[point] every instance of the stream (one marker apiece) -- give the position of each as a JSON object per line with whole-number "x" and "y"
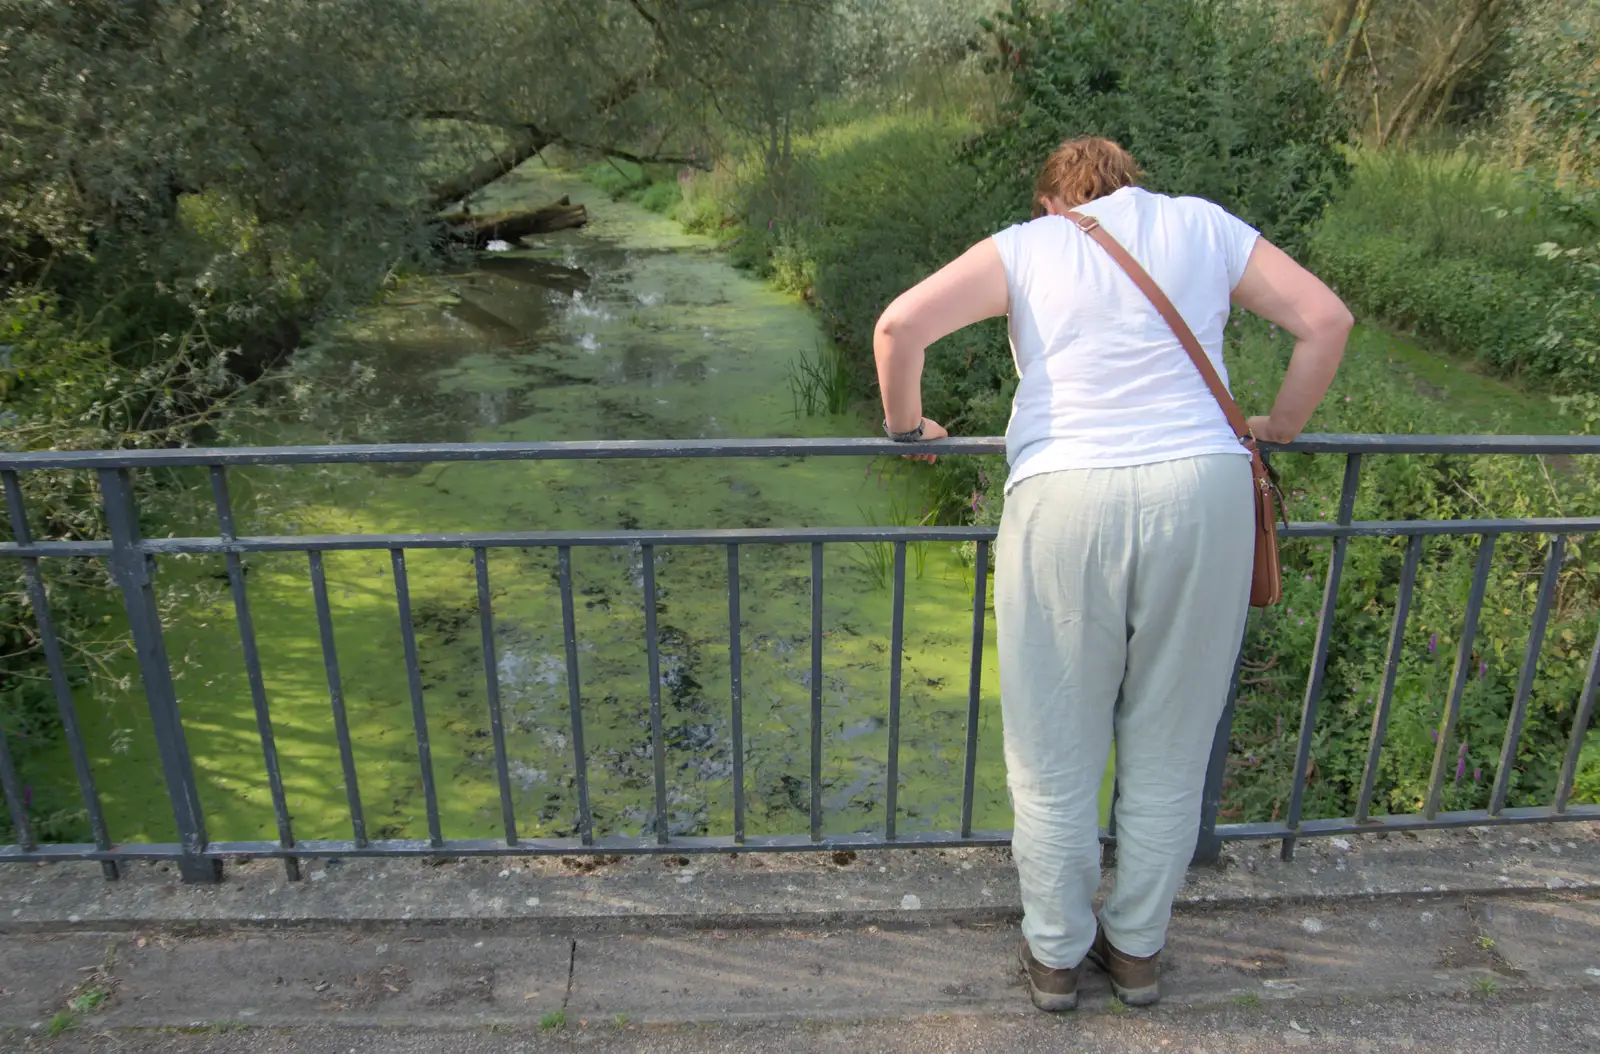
{"x": 626, "y": 329}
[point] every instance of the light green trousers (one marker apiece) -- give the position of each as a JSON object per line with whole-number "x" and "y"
{"x": 1120, "y": 600}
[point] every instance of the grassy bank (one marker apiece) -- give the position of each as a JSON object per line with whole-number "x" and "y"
{"x": 1472, "y": 259}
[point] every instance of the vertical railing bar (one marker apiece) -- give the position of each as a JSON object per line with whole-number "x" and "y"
{"x": 569, "y": 635}
{"x": 1391, "y": 667}
{"x": 1580, "y": 727}
{"x": 1108, "y": 850}
{"x": 252, "y": 666}
{"x": 658, "y": 739}
{"x": 969, "y": 774}
{"x": 491, "y": 677}
{"x": 419, "y": 715}
{"x": 1208, "y": 847}
{"x": 341, "y": 722}
{"x": 134, "y": 571}
{"x": 736, "y": 688}
{"x": 16, "y": 801}
{"x": 896, "y": 647}
{"x": 816, "y": 691}
{"x": 1458, "y": 685}
{"x": 1319, "y": 658}
{"x": 1530, "y": 667}
{"x": 65, "y": 706}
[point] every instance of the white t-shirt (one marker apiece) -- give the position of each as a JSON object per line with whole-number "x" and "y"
{"x": 1104, "y": 381}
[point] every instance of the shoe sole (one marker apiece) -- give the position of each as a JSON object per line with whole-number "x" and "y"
{"x": 1052, "y": 1004}
{"x": 1146, "y": 996}
{"x": 1049, "y": 1002}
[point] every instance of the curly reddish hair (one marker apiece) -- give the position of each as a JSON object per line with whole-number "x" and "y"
{"x": 1080, "y": 170}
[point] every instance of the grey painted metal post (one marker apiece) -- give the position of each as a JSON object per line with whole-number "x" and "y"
{"x": 132, "y": 570}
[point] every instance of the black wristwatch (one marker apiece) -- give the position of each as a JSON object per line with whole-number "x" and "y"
{"x": 913, "y": 436}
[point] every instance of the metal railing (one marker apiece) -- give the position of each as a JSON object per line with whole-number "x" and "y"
{"x": 132, "y": 560}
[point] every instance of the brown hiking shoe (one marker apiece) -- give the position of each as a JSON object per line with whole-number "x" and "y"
{"x": 1132, "y": 978}
{"x": 1051, "y": 989}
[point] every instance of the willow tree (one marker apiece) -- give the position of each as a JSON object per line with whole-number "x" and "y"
{"x": 252, "y": 161}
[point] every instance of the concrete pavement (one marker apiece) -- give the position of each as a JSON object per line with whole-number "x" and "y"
{"x": 1348, "y": 948}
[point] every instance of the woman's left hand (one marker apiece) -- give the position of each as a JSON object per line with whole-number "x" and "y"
{"x": 931, "y": 429}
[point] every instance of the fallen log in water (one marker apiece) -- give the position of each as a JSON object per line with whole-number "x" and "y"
{"x": 482, "y": 228}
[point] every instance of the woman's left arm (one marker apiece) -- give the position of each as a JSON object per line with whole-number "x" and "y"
{"x": 969, "y": 289}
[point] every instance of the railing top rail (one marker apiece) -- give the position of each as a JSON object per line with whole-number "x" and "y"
{"x": 613, "y": 449}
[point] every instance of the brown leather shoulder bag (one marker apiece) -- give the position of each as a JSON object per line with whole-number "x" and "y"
{"x": 1266, "y": 584}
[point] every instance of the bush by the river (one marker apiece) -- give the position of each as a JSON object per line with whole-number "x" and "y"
{"x": 1215, "y": 98}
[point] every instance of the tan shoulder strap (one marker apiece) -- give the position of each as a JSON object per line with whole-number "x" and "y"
{"x": 1147, "y": 285}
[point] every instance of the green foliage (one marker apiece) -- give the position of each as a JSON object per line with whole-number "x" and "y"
{"x": 88, "y": 1000}
{"x": 909, "y": 52}
{"x": 1586, "y": 786}
{"x": 1370, "y": 397}
{"x": 1215, "y": 98}
{"x": 553, "y": 1020}
{"x": 1552, "y": 88}
{"x": 655, "y": 187}
{"x": 869, "y": 208}
{"x": 1472, "y": 259}
{"x": 64, "y": 388}
{"x": 202, "y": 156}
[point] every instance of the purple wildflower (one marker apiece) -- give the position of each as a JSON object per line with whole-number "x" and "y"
{"x": 1461, "y": 763}
{"x": 1483, "y": 668}
{"x": 1433, "y": 644}
{"x": 27, "y": 795}
{"x": 1434, "y": 732}
{"x": 1477, "y": 775}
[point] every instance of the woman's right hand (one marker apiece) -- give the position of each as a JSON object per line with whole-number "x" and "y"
{"x": 931, "y": 429}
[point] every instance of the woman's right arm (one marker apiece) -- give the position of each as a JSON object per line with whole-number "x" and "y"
{"x": 1281, "y": 291}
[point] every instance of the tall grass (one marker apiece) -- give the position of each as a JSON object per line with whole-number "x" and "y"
{"x": 908, "y": 507}
{"x": 1470, "y": 257}
{"x": 1445, "y": 204}
{"x": 821, "y": 384}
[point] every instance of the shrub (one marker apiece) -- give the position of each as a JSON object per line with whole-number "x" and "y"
{"x": 1215, "y": 98}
